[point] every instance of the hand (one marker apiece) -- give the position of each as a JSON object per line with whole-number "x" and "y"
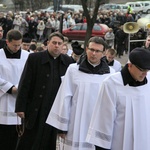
{"x": 21, "y": 114}
{"x": 14, "y": 90}
{"x": 62, "y": 135}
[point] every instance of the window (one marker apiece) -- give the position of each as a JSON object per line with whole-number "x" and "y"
{"x": 76, "y": 27}
{"x": 147, "y": 4}
{"x": 84, "y": 27}
{"x": 137, "y": 5}
{"x": 97, "y": 28}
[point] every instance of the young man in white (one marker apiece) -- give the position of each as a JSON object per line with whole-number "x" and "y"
{"x": 110, "y": 59}
{"x": 120, "y": 120}
{"x": 12, "y": 61}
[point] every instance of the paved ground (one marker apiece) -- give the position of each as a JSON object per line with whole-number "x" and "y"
{"x": 123, "y": 60}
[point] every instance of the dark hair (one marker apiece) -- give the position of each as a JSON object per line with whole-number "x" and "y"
{"x": 13, "y": 35}
{"x": 39, "y": 49}
{"x": 97, "y": 40}
{"x": 58, "y": 34}
{"x": 33, "y": 47}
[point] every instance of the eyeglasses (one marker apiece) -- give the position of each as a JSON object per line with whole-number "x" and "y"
{"x": 55, "y": 43}
{"x": 95, "y": 50}
{"x": 142, "y": 70}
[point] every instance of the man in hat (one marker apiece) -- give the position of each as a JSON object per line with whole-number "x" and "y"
{"x": 120, "y": 120}
{"x": 77, "y": 51}
{"x": 75, "y": 100}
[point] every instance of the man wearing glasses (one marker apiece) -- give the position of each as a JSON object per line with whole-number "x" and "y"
{"x": 38, "y": 86}
{"x": 74, "y": 103}
{"x": 12, "y": 61}
{"x": 120, "y": 120}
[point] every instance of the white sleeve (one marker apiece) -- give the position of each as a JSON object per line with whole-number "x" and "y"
{"x": 60, "y": 111}
{"x": 4, "y": 86}
{"x": 101, "y": 127}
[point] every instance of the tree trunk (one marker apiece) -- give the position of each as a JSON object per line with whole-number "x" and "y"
{"x": 90, "y": 19}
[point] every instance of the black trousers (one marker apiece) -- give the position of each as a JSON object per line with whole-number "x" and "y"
{"x": 32, "y": 139}
{"x": 8, "y": 137}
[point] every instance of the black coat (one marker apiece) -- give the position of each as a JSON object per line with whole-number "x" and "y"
{"x": 37, "y": 89}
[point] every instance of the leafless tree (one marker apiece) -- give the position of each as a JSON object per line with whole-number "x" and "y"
{"x": 90, "y": 19}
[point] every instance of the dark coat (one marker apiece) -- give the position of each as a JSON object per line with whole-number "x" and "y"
{"x": 37, "y": 89}
{"x": 33, "y": 83}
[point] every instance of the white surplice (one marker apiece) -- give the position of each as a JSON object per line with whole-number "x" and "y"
{"x": 116, "y": 65}
{"x": 121, "y": 118}
{"x": 10, "y": 72}
{"x": 73, "y": 106}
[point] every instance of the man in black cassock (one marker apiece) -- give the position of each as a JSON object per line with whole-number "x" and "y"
{"x": 38, "y": 86}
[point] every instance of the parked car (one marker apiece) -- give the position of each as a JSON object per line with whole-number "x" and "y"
{"x": 146, "y": 10}
{"x": 110, "y": 7}
{"x": 78, "y": 31}
{"x": 123, "y": 8}
{"x": 64, "y": 8}
{"x": 74, "y": 8}
{"x": 137, "y": 7}
{"x": 144, "y": 3}
{"x": 49, "y": 9}
{"x": 114, "y": 7}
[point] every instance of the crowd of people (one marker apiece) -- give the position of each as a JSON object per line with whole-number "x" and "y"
{"x": 38, "y": 25}
{"x": 83, "y": 96}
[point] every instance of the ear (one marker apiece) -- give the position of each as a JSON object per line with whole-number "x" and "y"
{"x": 129, "y": 65}
{"x": 86, "y": 49}
{"x": 7, "y": 41}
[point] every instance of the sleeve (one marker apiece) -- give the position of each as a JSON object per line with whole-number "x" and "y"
{"x": 24, "y": 86}
{"x": 10, "y": 90}
{"x": 4, "y": 86}
{"x": 60, "y": 111}
{"x": 101, "y": 127}
{"x": 100, "y": 148}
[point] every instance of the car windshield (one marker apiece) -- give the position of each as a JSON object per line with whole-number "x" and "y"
{"x": 97, "y": 27}
{"x": 77, "y": 27}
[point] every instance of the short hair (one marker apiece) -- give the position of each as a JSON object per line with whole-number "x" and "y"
{"x": 97, "y": 40}
{"x": 34, "y": 40}
{"x": 112, "y": 51}
{"x": 65, "y": 44}
{"x": 58, "y": 34}
{"x": 39, "y": 49}
{"x": 13, "y": 35}
{"x": 66, "y": 39}
{"x": 33, "y": 47}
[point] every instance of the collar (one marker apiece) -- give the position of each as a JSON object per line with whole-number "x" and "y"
{"x": 109, "y": 63}
{"x": 10, "y": 54}
{"x": 127, "y": 78}
{"x": 47, "y": 58}
{"x": 86, "y": 67}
